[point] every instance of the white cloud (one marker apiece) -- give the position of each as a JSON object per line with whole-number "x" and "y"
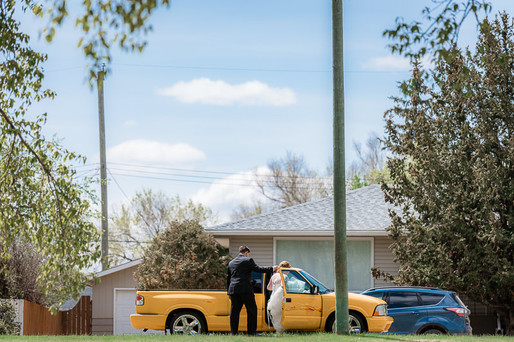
{"x": 130, "y": 123}
{"x": 154, "y": 152}
{"x": 220, "y": 93}
{"x": 393, "y": 63}
{"x": 388, "y": 63}
{"x": 225, "y": 195}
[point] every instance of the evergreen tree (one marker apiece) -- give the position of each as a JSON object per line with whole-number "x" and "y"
{"x": 452, "y": 166}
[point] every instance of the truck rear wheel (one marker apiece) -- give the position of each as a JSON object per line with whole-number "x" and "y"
{"x": 187, "y": 323}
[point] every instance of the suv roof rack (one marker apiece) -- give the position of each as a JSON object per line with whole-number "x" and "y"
{"x": 406, "y": 287}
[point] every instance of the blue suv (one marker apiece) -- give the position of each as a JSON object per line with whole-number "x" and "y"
{"x": 424, "y": 310}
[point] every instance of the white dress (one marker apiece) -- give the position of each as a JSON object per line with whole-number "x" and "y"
{"x": 275, "y": 302}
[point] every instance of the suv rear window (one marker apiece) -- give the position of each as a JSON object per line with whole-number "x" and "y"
{"x": 430, "y": 298}
{"x": 398, "y": 299}
{"x": 457, "y": 299}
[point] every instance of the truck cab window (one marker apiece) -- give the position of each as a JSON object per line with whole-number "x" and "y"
{"x": 295, "y": 283}
{"x": 257, "y": 282}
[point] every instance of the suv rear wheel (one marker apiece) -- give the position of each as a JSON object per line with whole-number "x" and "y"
{"x": 433, "y": 331}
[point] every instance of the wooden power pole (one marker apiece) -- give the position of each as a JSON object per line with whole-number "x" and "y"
{"x": 341, "y": 272}
{"x": 103, "y": 170}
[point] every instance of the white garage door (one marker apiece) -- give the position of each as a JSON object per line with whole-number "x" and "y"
{"x": 124, "y": 306}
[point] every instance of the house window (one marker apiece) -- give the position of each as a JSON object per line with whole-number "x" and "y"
{"x": 317, "y": 258}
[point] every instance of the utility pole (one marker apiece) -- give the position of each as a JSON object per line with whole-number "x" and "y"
{"x": 103, "y": 169}
{"x": 341, "y": 272}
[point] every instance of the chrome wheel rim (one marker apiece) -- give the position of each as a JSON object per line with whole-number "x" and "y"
{"x": 355, "y": 325}
{"x": 187, "y": 325}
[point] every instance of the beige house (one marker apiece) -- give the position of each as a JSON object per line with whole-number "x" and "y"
{"x": 302, "y": 234}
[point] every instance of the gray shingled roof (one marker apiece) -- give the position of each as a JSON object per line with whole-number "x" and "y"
{"x": 366, "y": 211}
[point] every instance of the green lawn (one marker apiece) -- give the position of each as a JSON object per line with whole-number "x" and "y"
{"x": 269, "y": 336}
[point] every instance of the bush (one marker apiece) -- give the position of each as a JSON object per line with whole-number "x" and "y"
{"x": 19, "y": 271}
{"x": 8, "y": 324}
{"x": 183, "y": 257}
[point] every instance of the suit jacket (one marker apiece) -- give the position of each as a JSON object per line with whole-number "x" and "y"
{"x": 239, "y": 274}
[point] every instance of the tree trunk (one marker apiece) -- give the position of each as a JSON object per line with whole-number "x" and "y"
{"x": 509, "y": 323}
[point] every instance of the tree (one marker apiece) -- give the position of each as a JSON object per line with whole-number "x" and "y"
{"x": 182, "y": 256}
{"x": 370, "y": 168}
{"x": 452, "y": 168}
{"x": 20, "y": 280}
{"x": 292, "y": 182}
{"x": 42, "y": 202}
{"x": 441, "y": 31}
{"x": 244, "y": 210}
{"x": 289, "y": 182}
{"x": 148, "y": 214}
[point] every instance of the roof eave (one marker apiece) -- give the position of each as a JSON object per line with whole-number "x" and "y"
{"x": 234, "y": 232}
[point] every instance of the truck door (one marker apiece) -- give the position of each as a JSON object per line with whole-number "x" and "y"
{"x": 301, "y": 308}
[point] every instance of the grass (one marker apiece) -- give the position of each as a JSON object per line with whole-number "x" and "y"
{"x": 301, "y": 337}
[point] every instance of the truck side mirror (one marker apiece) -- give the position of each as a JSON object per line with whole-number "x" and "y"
{"x": 315, "y": 289}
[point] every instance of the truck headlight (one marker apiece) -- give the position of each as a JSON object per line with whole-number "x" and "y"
{"x": 380, "y": 310}
{"x": 140, "y": 300}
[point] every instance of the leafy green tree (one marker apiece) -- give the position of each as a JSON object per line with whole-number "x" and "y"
{"x": 103, "y": 24}
{"x": 452, "y": 166}
{"x": 42, "y": 203}
{"x": 439, "y": 29}
{"x": 149, "y": 213}
{"x": 183, "y": 257}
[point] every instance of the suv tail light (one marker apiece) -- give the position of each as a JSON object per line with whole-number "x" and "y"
{"x": 140, "y": 300}
{"x": 458, "y": 311}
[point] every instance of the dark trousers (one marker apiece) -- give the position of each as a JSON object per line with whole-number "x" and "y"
{"x": 237, "y": 302}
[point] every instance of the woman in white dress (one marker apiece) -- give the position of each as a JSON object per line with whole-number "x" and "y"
{"x": 275, "y": 300}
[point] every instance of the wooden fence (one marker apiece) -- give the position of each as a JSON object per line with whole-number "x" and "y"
{"x": 77, "y": 321}
{"x": 37, "y": 320}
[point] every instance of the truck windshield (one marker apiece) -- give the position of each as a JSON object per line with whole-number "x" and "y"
{"x": 322, "y": 288}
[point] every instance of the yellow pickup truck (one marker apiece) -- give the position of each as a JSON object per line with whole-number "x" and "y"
{"x": 308, "y": 305}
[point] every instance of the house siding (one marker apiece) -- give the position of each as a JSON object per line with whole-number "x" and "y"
{"x": 261, "y": 248}
{"x": 384, "y": 259}
{"x": 103, "y": 299}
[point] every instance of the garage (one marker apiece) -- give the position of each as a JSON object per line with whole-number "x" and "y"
{"x": 123, "y": 307}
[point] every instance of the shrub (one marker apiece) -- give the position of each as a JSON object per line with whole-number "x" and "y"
{"x": 183, "y": 257}
{"x": 8, "y": 324}
{"x": 19, "y": 271}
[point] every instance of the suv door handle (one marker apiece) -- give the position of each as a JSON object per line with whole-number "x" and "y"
{"x": 288, "y": 300}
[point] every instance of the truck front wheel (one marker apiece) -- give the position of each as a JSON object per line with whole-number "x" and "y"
{"x": 355, "y": 323}
{"x": 187, "y": 323}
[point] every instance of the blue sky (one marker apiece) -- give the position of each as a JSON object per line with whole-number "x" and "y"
{"x": 224, "y": 86}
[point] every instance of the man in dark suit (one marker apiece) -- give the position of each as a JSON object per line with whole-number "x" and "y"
{"x": 240, "y": 289}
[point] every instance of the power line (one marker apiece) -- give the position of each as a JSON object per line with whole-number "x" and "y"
{"x": 164, "y": 66}
{"x": 251, "y": 176}
{"x": 174, "y": 169}
{"x": 161, "y": 66}
{"x": 301, "y": 186}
